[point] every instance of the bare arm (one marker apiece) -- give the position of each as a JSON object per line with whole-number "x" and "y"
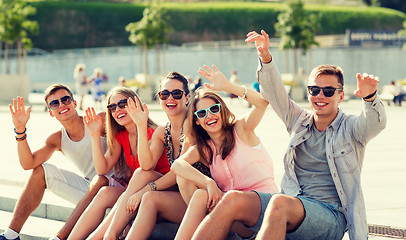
{"x": 148, "y": 151}
{"x": 183, "y": 167}
{"x": 29, "y": 160}
{"x": 103, "y": 163}
{"x": 251, "y": 120}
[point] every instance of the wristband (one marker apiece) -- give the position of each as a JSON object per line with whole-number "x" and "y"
{"x": 370, "y": 95}
{"x": 19, "y": 133}
{"x": 245, "y": 94}
{"x": 152, "y": 185}
{"x": 21, "y": 138}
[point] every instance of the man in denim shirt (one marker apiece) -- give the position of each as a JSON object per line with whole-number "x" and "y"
{"x": 321, "y": 189}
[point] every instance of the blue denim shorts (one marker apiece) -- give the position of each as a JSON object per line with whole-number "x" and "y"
{"x": 322, "y": 220}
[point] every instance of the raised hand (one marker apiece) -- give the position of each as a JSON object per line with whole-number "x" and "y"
{"x": 92, "y": 121}
{"x": 19, "y": 114}
{"x": 261, "y": 43}
{"x": 217, "y": 78}
{"x": 366, "y": 84}
{"x": 137, "y": 114}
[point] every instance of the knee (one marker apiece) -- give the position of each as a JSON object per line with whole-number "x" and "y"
{"x": 38, "y": 174}
{"x": 183, "y": 183}
{"x": 231, "y": 201}
{"x": 150, "y": 200}
{"x": 200, "y": 197}
{"x": 99, "y": 181}
{"x": 143, "y": 175}
{"x": 279, "y": 205}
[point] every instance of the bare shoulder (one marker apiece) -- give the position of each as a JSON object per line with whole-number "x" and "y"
{"x": 102, "y": 115}
{"x": 159, "y": 133}
{"x": 54, "y": 140}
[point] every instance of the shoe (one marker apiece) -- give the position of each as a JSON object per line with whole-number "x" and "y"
{"x": 2, "y": 237}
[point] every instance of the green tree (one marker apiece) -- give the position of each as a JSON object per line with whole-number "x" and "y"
{"x": 150, "y": 31}
{"x": 297, "y": 30}
{"x": 14, "y": 28}
{"x": 402, "y": 33}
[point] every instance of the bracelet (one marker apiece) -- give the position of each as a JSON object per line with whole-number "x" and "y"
{"x": 21, "y": 138}
{"x": 152, "y": 186}
{"x": 19, "y": 133}
{"x": 245, "y": 93}
{"x": 370, "y": 95}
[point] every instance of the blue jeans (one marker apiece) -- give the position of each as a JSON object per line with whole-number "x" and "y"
{"x": 322, "y": 220}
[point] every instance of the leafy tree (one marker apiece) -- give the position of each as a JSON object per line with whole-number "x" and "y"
{"x": 14, "y": 28}
{"x": 402, "y": 33}
{"x": 297, "y": 29}
{"x": 150, "y": 31}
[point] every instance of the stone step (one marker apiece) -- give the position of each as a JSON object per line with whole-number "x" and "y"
{"x": 52, "y": 207}
{"x": 35, "y": 228}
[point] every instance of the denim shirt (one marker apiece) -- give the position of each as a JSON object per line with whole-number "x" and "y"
{"x": 346, "y": 139}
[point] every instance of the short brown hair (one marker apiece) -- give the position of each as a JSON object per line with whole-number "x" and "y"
{"x": 55, "y": 87}
{"x": 328, "y": 70}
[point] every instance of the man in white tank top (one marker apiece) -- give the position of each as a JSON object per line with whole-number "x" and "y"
{"x": 74, "y": 142}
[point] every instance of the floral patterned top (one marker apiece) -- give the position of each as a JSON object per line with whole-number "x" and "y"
{"x": 169, "y": 151}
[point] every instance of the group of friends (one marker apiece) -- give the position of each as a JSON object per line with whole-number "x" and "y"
{"x": 206, "y": 169}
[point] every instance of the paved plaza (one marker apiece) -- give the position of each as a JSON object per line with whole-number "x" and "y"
{"x": 383, "y": 175}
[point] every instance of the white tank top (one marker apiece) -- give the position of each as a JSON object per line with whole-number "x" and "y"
{"x": 80, "y": 152}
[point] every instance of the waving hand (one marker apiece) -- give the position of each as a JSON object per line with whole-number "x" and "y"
{"x": 19, "y": 115}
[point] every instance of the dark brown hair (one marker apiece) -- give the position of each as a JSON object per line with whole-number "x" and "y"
{"x": 201, "y": 137}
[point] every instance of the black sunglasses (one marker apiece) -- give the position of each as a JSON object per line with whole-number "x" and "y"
{"x": 54, "y": 104}
{"x": 176, "y": 94}
{"x": 202, "y": 113}
{"x": 327, "y": 91}
{"x": 121, "y": 104}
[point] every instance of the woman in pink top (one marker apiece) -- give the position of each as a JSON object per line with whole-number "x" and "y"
{"x": 237, "y": 159}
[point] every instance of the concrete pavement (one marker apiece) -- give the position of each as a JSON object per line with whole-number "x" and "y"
{"x": 383, "y": 175}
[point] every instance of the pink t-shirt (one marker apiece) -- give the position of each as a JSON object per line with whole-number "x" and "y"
{"x": 244, "y": 169}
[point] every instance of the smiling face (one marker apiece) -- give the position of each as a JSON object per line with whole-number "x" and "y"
{"x": 62, "y": 112}
{"x": 173, "y": 106}
{"x": 322, "y": 106}
{"x": 212, "y": 122}
{"x": 120, "y": 114}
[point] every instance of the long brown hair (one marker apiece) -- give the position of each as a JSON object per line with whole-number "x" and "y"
{"x": 112, "y": 128}
{"x": 201, "y": 137}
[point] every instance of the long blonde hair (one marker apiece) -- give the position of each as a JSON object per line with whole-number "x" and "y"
{"x": 112, "y": 128}
{"x": 200, "y": 136}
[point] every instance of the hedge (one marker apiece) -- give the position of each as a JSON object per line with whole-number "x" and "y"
{"x": 98, "y": 24}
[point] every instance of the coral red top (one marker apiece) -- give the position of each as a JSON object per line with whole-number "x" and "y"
{"x": 162, "y": 165}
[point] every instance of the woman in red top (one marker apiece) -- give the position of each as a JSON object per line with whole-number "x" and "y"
{"x": 122, "y": 155}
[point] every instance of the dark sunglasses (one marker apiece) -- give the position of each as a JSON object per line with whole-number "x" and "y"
{"x": 121, "y": 104}
{"x": 54, "y": 104}
{"x": 202, "y": 113}
{"x": 327, "y": 91}
{"x": 176, "y": 94}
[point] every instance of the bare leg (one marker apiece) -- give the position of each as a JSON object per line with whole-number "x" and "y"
{"x": 95, "y": 185}
{"x": 239, "y": 206}
{"x": 168, "y": 205}
{"x": 30, "y": 198}
{"x": 121, "y": 217}
{"x": 94, "y": 213}
{"x": 283, "y": 214}
{"x": 186, "y": 188}
{"x": 195, "y": 213}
